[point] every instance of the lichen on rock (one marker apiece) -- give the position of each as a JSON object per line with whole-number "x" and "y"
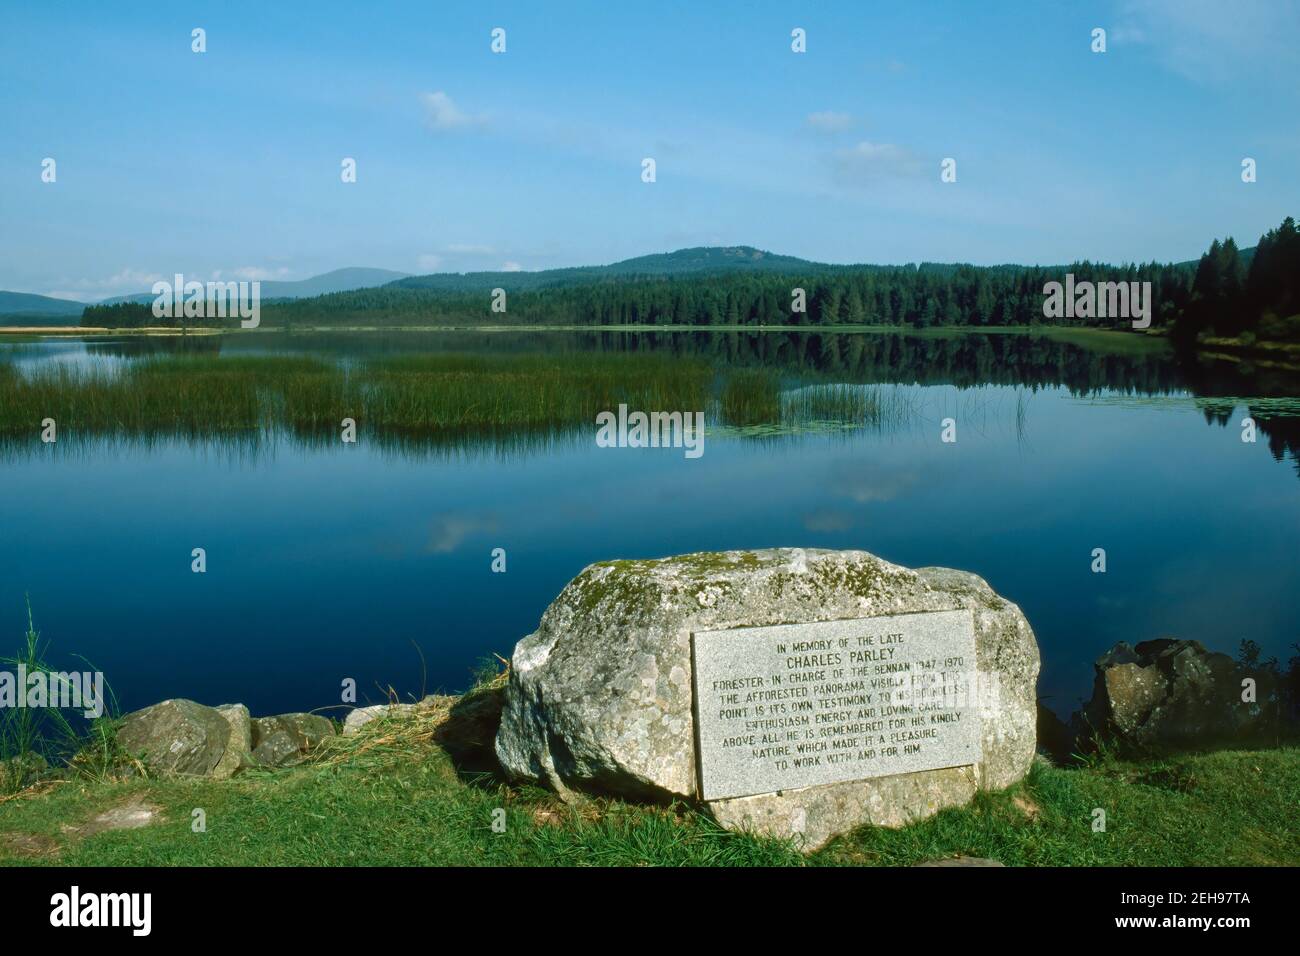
{"x": 600, "y": 697}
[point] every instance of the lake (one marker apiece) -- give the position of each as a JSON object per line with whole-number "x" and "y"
{"x": 373, "y": 560}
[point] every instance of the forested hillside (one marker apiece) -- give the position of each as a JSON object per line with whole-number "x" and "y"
{"x": 1220, "y": 295}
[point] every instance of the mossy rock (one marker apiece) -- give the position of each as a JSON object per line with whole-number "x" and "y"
{"x": 600, "y": 696}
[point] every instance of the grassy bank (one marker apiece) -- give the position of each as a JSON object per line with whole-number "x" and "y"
{"x": 394, "y": 795}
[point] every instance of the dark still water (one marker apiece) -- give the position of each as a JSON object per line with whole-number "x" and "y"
{"x": 328, "y": 561}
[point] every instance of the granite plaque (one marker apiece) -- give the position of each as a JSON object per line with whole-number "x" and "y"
{"x": 797, "y": 705}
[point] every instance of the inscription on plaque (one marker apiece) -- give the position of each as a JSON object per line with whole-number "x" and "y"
{"x": 797, "y": 705}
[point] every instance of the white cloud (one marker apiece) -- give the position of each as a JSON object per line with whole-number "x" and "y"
{"x": 871, "y": 162}
{"x": 441, "y": 114}
{"x": 1212, "y": 41}
{"x": 123, "y": 282}
{"x": 852, "y": 483}
{"x": 429, "y": 262}
{"x": 252, "y": 273}
{"x": 1126, "y": 31}
{"x": 64, "y": 294}
{"x": 449, "y": 531}
{"x": 829, "y": 121}
{"x": 826, "y": 521}
{"x": 468, "y": 249}
{"x": 130, "y": 281}
{"x": 132, "y": 277}
{"x": 511, "y": 267}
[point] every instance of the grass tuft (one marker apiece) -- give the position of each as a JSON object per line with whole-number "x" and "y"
{"x": 34, "y": 738}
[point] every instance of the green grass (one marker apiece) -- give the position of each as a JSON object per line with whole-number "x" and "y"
{"x": 392, "y": 796}
{"x": 848, "y": 404}
{"x": 751, "y": 397}
{"x": 437, "y": 396}
{"x": 30, "y": 738}
{"x": 458, "y": 392}
{"x": 175, "y": 395}
{"x": 207, "y": 395}
{"x": 1230, "y": 808}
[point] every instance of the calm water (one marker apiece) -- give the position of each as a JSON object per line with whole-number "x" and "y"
{"x": 336, "y": 562}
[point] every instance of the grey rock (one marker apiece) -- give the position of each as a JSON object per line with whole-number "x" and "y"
{"x": 813, "y": 815}
{"x": 239, "y": 746}
{"x": 1132, "y": 691}
{"x": 363, "y": 715}
{"x": 1169, "y": 694}
{"x": 284, "y": 740}
{"x": 132, "y": 815}
{"x": 429, "y": 704}
{"x": 176, "y": 736}
{"x": 600, "y": 696}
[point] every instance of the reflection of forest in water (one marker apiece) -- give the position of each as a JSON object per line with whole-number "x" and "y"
{"x": 962, "y": 359}
{"x": 1095, "y": 364}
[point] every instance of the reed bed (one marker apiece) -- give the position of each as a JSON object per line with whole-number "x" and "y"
{"x": 443, "y": 398}
{"x": 474, "y": 392}
{"x": 751, "y": 397}
{"x": 426, "y": 394}
{"x": 841, "y": 404}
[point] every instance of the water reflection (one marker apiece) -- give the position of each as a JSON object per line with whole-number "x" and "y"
{"x": 1109, "y": 368}
{"x": 327, "y": 561}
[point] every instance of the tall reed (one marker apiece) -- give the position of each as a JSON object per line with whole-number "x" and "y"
{"x": 33, "y": 737}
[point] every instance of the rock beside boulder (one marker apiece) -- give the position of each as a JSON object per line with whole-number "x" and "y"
{"x": 361, "y": 716}
{"x": 176, "y": 736}
{"x": 600, "y": 697}
{"x": 187, "y": 738}
{"x": 285, "y": 740}
{"x": 1172, "y": 694}
{"x": 239, "y": 748}
{"x": 358, "y": 718}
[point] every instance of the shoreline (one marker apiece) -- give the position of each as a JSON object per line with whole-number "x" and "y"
{"x": 75, "y": 330}
{"x": 1284, "y": 355}
{"x": 937, "y": 330}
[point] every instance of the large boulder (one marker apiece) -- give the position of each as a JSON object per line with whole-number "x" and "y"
{"x": 176, "y": 736}
{"x": 1172, "y": 694}
{"x": 600, "y": 696}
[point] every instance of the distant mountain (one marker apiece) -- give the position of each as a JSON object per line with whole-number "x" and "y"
{"x": 701, "y": 260}
{"x": 20, "y": 308}
{"x": 698, "y": 261}
{"x": 340, "y": 280}
{"x": 711, "y": 259}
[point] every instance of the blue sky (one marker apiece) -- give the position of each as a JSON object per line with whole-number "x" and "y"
{"x": 227, "y": 163}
